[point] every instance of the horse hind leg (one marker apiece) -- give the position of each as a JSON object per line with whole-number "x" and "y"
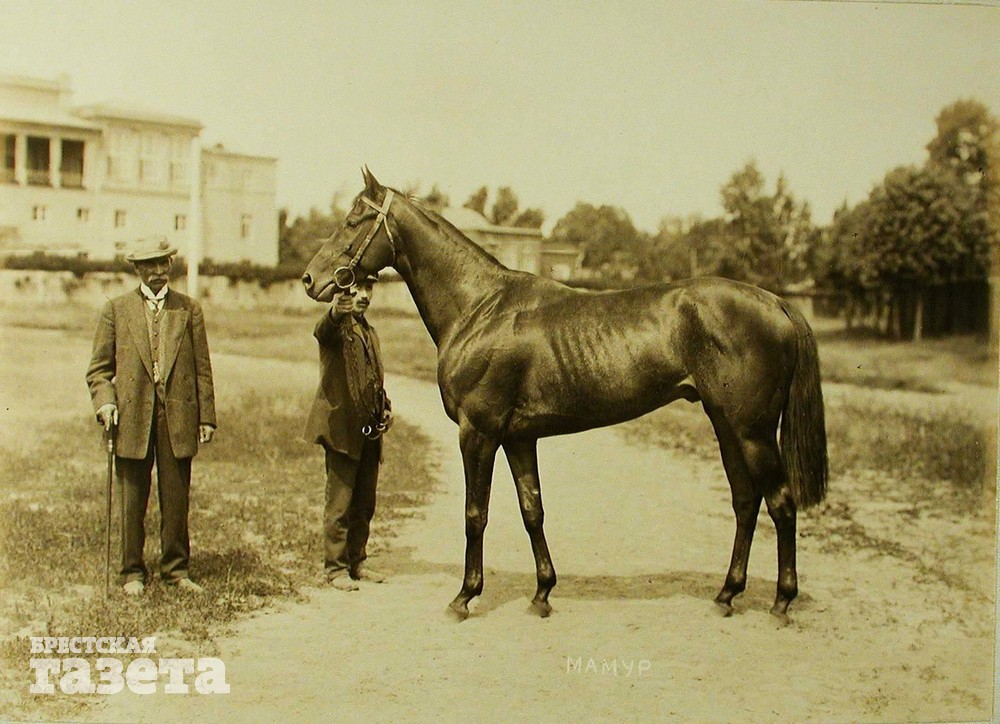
{"x": 478, "y": 456}
{"x": 782, "y": 509}
{"x": 746, "y": 505}
{"x": 764, "y": 464}
{"x": 523, "y": 460}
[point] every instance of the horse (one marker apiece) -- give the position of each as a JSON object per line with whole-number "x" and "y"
{"x": 522, "y": 357}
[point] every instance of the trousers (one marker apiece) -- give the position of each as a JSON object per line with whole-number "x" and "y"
{"x": 350, "y": 505}
{"x": 173, "y": 484}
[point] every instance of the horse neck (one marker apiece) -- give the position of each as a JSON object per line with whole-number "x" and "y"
{"x": 447, "y": 275}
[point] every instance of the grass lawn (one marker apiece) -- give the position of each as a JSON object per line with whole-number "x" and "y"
{"x": 255, "y": 521}
{"x": 859, "y": 358}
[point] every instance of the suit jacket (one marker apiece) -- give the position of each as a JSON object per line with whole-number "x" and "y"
{"x": 334, "y": 420}
{"x": 121, "y": 372}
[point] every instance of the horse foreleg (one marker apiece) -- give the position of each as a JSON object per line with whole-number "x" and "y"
{"x": 478, "y": 455}
{"x": 523, "y": 460}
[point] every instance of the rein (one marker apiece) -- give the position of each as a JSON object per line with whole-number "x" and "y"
{"x": 343, "y": 276}
{"x": 365, "y": 388}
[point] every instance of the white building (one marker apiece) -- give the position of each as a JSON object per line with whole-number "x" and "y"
{"x": 91, "y": 180}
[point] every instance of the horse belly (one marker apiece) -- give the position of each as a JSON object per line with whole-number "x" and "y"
{"x": 598, "y": 387}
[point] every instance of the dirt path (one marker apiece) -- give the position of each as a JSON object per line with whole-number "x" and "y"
{"x": 640, "y": 539}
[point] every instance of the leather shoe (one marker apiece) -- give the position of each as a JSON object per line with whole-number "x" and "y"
{"x": 340, "y": 580}
{"x": 133, "y": 588}
{"x": 364, "y": 573}
{"x": 188, "y": 586}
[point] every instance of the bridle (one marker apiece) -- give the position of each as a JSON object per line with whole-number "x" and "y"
{"x": 343, "y": 276}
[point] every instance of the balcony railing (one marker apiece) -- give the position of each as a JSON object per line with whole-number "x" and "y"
{"x": 38, "y": 178}
{"x": 7, "y": 176}
{"x": 71, "y": 179}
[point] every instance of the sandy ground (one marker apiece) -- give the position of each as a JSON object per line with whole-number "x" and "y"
{"x": 641, "y": 540}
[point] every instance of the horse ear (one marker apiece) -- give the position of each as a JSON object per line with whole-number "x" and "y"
{"x": 371, "y": 183}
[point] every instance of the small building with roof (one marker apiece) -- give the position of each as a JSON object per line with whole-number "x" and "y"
{"x": 517, "y": 247}
{"x": 513, "y": 246}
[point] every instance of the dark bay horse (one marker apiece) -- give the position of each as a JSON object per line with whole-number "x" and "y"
{"x": 521, "y": 357}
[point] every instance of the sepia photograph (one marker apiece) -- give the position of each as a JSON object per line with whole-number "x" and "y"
{"x": 499, "y": 361}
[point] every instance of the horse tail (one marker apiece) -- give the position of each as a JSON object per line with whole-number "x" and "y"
{"x": 803, "y": 427}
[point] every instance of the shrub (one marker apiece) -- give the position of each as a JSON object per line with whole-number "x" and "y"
{"x": 81, "y": 265}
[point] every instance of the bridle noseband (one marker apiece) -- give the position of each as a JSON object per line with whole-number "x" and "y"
{"x": 339, "y": 278}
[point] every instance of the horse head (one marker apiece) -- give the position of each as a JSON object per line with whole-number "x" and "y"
{"x": 363, "y": 244}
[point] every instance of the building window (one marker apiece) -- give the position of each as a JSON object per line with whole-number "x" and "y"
{"x": 38, "y": 161}
{"x": 83, "y": 214}
{"x": 117, "y": 144}
{"x": 149, "y": 171}
{"x": 71, "y": 166}
{"x": 120, "y": 219}
{"x": 7, "y": 174}
{"x": 178, "y": 172}
{"x": 149, "y": 168}
{"x": 38, "y": 213}
{"x": 180, "y": 150}
{"x": 180, "y": 222}
{"x": 245, "y": 226}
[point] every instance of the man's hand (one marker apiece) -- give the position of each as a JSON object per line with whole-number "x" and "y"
{"x": 205, "y": 433}
{"x": 344, "y": 303}
{"x": 107, "y": 415}
{"x": 386, "y": 418}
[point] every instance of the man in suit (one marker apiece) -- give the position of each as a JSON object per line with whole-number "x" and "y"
{"x": 348, "y": 416}
{"x": 150, "y": 375}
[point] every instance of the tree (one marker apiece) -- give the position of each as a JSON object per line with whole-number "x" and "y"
{"x": 504, "y": 207}
{"x": 299, "y": 241}
{"x": 436, "y": 199}
{"x": 689, "y": 248}
{"x": 529, "y": 219}
{"x": 477, "y": 202}
{"x": 923, "y": 226}
{"x": 505, "y": 211}
{"x": 966, "y": 142}
{"x": 771, "y": 233}
{"x": 610, "y": 242}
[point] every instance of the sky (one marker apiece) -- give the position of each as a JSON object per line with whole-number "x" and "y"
{"x": 650, "y": 106}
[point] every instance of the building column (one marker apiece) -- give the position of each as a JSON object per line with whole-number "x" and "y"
{"x": 55, "y": 161}
{"x": 21, "y": 159}
{"x": 89, "y": 164}
{"x": 195, "y": 224}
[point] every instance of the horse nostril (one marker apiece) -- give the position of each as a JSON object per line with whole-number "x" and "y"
{"x": 307, "y": 280}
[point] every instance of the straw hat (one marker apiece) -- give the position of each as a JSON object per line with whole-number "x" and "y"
{"x": 149, "y": 248}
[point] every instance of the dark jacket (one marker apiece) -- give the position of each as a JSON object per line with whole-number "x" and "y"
{"x": 335, "y": 421}
{"x": 121, "y": 372}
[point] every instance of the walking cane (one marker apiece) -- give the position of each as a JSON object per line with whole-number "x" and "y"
{"x": 109, "y": 440}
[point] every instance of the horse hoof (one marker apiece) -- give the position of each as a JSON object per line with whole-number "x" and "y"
{"x": 781, "y": 616}
{"x": 725, "y": 608}
{"x": 542, "y": 608}
{"x": 457, "y": 611}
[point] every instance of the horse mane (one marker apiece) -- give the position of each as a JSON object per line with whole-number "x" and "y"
{"x": 450, "y": 231}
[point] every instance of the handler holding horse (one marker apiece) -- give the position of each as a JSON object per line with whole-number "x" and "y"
{"x": 348, "y": 416}
{"x": 522, "y": 357}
